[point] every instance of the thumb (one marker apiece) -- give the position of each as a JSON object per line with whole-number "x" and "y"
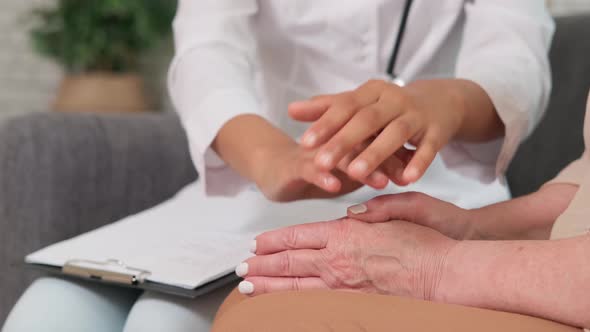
{"x": 411, "y": 206}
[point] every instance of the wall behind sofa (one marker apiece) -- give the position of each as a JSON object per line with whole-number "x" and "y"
{"x": 27, "y": 82}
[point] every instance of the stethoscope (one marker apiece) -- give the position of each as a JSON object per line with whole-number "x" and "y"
{"x": 393, "y": 77}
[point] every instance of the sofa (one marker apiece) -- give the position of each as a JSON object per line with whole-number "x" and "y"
{"x": 65, "y": 174}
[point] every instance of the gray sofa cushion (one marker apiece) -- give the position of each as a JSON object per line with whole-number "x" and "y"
{"x": 65, "y": 174}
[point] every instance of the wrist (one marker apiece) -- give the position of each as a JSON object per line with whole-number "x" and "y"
{"x": 248, "y": 143}
{"x": 528, "y": 217}
{"x": 481, "y": 225}
{"x": 267, "y": 159}
{"x": 479, "y": 120}
{"x": 529, "y": 277}
{"x": 468, "y": 275}
{"x": 268, "y": 151}
{"x": 449, "y": 97}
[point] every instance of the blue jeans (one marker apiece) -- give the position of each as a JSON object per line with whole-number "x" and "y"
{"x": 54, "y": 304}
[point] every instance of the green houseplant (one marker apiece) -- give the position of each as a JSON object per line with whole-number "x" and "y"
{"x": 99, "y": 44}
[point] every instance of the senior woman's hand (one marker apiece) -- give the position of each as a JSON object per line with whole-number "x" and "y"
{"x": 396, "y": 258}
{"x": 421, "y": 209}
{"x": 528, "y": 217}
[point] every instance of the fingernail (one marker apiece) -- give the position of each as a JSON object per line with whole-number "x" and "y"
{"x": 246, "y": 287}
{"x": 253, "y": 246}
{"x": 309, "y": 139}
{"x": 242, "y": 269}
{"x": 325, "y": 159}
{"x": 358, "y": 209}
{"x": 359, "y": 167}
{"x": 378, "y": 177}
{"x": 328, "y": 181}
{"x": 411, "y": 174}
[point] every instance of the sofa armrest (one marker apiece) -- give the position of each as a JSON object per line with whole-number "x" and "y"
{"x": 65, "y": 174}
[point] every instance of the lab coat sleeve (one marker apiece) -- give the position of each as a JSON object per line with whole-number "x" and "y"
{"x": 505, "y": 50}
{"x": 211, "y": 80}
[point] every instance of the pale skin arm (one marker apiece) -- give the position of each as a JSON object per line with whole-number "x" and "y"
{"x": 540, "y": 278}
{"x": 548, "y": 279}
{"x": 543, "y": 278}
{"x": 527, "y": 217}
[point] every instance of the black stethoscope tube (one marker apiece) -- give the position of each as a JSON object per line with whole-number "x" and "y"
{"x": 399, "y": 40}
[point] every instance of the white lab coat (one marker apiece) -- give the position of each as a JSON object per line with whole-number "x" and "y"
{"x": 246, "y": 56}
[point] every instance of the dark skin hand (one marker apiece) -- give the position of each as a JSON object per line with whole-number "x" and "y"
{"x": 428, "y": 114}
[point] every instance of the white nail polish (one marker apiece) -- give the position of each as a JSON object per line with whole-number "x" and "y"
{"x": 358, "y": 209}
{"x": 253, "y": 246}
{"x": 242, "y": 269}
{"x": 246, "y": 287}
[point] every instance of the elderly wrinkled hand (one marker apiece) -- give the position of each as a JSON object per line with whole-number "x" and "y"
{"x": 421, "y": 209}
{"x": 396, "y": 258}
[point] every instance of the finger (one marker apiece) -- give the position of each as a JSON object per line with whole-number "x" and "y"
{"x": 310, "y": 110}
{"x": 410, "y": 206}
{"x": 362, "y": 126}
{"x": 322, "y": 179}
{"x": 343, "y": 107}
{"x": 304, "y": 236}
{"x": 337, "y": 115}
{"x": 391, "y": 139}
{"x": 423, "y": 157}
{"x": 405, "y": 155}
{"x": 377, "y": 180}
{"x": 288, "y": 263}
{"x": 394, "y": 168}
{"x": 263, "y": 285}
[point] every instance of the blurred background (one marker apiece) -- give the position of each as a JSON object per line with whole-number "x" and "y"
{"x": 46, "y": 64}
{"x": 59, "y": 54}
{"x": 64, "y": 175}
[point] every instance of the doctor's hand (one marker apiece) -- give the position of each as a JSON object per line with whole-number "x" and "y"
{"x": 288, "y": 173}
{"x": 392, "y": 258}
{"x": 427, "y": 114}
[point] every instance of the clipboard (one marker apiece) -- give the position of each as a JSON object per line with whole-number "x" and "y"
{"x": 166, "y": 249}
{"x": 115, "y": 273}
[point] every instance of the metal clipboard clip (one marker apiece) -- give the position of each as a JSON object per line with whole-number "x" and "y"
{"x": 111, "y": 270}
